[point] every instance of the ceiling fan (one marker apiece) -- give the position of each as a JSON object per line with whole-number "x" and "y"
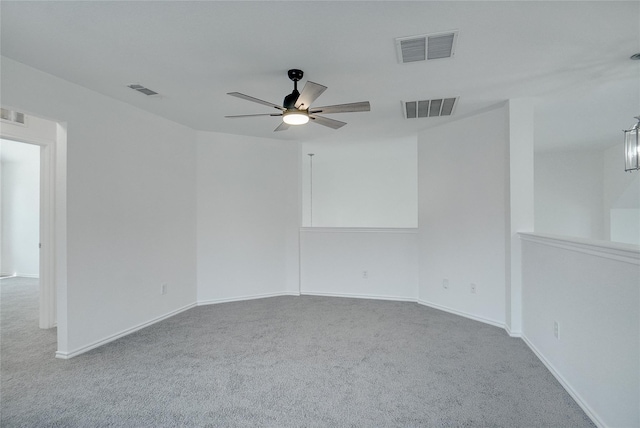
{"x": 296, "y": 108}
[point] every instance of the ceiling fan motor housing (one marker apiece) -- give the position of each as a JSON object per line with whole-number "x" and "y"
{"x": 290, "y": 100}
{"x": 295, "y": 74}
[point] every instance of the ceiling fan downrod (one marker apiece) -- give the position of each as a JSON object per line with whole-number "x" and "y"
{"x": 290, "y": 100}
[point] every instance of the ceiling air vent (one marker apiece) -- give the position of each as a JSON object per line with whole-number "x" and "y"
{"x": 12, "y": 116}
{"x": 143, "y": 90}
{"x": 429, "y": 108}
{"x": 412, "y": 50}
{"x": 426, "y": 47}
{"x": 19, "y": 118}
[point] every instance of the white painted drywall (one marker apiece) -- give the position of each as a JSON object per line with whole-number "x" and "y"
{"x": 20, "y": 200}
{"x": 625, "y": 225}
{"x": 464, "y": 215}
{"x": 247, "y": 217}
{"x": 520, "y": 204}
{"x": 333, "y": 262}
{"x": 621, "y": 199}
{"x": 595, "y": 300}
{"x": 569, "y": 193}
{"x": 360, "y": 183}
{"x": 131, "y": 206}
{"x": 587, "y": 195}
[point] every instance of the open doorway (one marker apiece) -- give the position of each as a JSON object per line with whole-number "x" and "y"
{"x": 20, "y": 219}
{"x": 20, "y": 209}
{"x": 28, "y": 206}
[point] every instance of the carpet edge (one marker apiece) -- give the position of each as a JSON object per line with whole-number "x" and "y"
{"x": 565, "y": 384}
{"x": 463, "y": 314}
{"x": 81, "y": 350}
{"x": 243, "y": 298}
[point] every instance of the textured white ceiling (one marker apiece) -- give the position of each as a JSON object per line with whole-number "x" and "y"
{"x": 571, "y": 57}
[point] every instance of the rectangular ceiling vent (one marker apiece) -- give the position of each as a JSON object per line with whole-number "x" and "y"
{"x": 429, "y": 108}
{"x": 12, "y": 116}
{"x": 143, "y": 90}
{"x": 426, "y": 47}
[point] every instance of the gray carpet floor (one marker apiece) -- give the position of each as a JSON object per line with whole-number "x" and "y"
{"x": 279, "y": 362}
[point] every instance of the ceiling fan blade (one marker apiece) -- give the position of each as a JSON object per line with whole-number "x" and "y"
{"x": 282, "y": 127}
{"x": 255, "y": 100}
{"x": 253, "y": 115}
{"x": 342, "y": 108}
{"x": 331, "y": 123}
{"x": 309, "y": 93}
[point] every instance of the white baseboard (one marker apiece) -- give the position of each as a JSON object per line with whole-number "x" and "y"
{"x": 83, "y": 349}
{"x": 22, "y": 275}
{"x": 247, "y": 297}
{"x": 462, "y": 314}
{"x": 28, "y": 275}
{"x": 566, "y": 385}
{"x": 359, "y": 296}
{"x": 512, "y": 333}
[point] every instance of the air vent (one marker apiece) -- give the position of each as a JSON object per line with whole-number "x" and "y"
{"x": 429, "y": 108}
{"x": 412, "y": 50}
{"x": 12, "y": 116}
{"x": 426, "y": 47}
{"x": 143, "y": 90}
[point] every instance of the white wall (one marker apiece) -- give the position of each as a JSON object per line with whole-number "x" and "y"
{"x": 360, "y": 183}
{"x": 333, "y": 262}
{"x": 625, "y": 225}
{"x": 591, "y": 289}
{"x": 20, "y": 169}
{"x": 569, "y": 193}
{"x": 131, "y": 207}
{"x": 621, "y": 200}
{"x": 520, "y": 205}
{"x": 587, "y": 195}
{"x": 248, "y": 215}
{"x": 464, "y": 215}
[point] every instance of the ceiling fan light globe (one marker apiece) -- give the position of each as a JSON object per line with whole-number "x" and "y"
{"x": 295, "y": 118}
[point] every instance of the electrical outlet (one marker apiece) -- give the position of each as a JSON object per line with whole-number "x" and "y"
{"x": 556, "y": 329}
{"x": 474, "y": 288}
{"x": 445, "y": 283}
{"x": 163, "y": 289}
{"x": 365, "y": 274}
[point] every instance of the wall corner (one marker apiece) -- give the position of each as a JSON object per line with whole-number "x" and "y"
{"x": 521, "y": 203}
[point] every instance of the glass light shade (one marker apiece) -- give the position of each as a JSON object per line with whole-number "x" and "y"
{"x": 632, "y": 148}
{"x": 295, "y": 118}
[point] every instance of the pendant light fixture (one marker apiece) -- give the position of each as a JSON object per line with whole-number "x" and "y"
{"x": 632, "y": 147}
